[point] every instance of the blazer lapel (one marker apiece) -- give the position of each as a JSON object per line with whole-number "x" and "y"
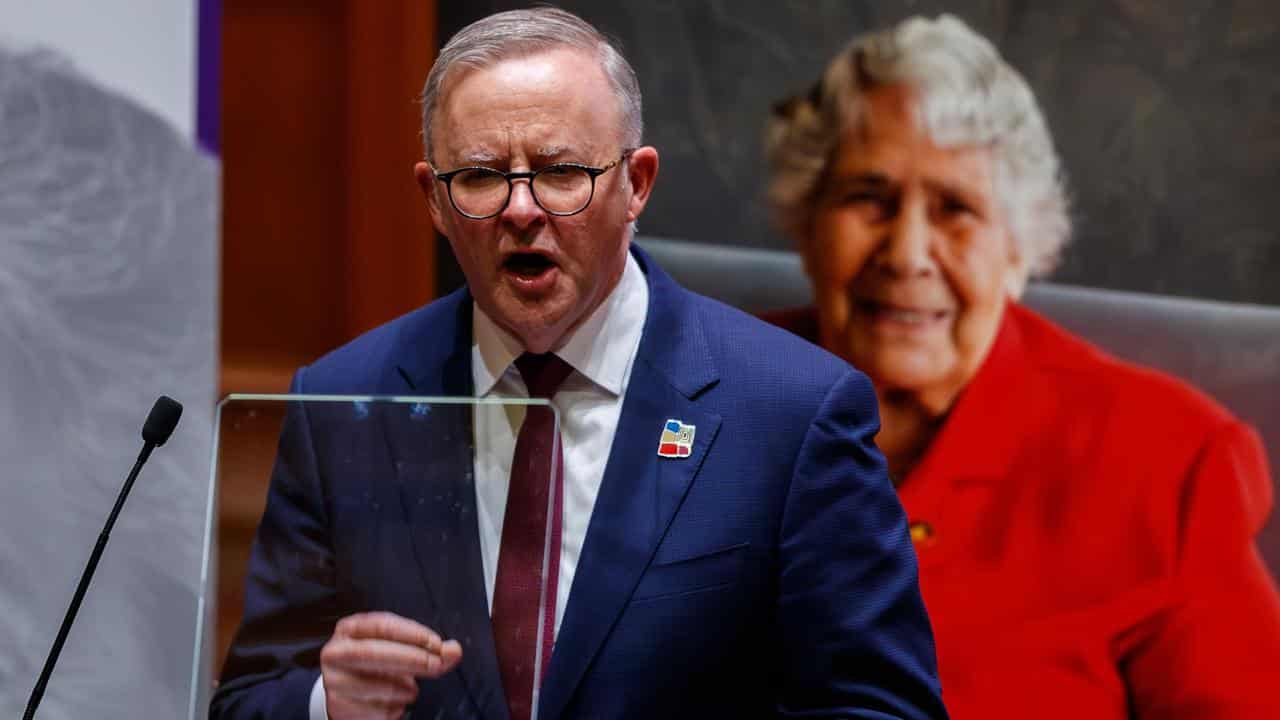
{"x": 433, "y": 451}
{"x": 641, "y": 491}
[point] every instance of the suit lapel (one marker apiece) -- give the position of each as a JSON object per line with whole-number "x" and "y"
{"x": 641, "y": 491}
{"x": 434, "y": 458}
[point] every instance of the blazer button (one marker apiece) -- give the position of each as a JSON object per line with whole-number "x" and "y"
{"x": 922, "y": 534}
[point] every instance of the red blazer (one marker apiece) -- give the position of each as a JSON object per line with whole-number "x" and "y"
{"x": 1085, "y": 533}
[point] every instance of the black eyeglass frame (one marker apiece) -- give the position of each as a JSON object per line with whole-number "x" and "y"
{"x": 592, "y": 172}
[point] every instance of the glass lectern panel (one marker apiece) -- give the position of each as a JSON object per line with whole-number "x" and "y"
{"x": 333, "y": 506}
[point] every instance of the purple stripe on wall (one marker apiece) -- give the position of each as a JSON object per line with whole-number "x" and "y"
{"x": 209, "y": 75}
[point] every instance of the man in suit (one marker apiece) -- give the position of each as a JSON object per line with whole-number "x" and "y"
{"x": 754, "y": 564}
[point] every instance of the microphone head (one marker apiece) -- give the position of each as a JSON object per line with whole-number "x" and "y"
{"x": 161, "y": 421}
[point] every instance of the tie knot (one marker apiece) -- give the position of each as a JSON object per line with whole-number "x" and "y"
{"x": 542, "y": 373}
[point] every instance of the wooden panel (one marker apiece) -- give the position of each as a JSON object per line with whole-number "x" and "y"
{"x": 284, "y": 181}
{"x": 324, "y": 232}
{"x": 390, "y": 256}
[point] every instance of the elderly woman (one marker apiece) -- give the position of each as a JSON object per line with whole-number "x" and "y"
{"x": 1084, "y": 526}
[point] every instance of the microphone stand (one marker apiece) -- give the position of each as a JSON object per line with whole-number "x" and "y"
{"x": 38, "y": 692}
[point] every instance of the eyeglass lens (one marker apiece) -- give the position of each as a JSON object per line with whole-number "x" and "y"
{"x": 562, "y": 189}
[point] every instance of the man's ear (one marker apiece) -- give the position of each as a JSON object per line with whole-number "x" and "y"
{"x": 642, "y": 171}
{"x": 426, "y": 178}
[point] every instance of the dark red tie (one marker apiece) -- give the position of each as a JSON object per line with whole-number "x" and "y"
{"x": 535, "y": 470}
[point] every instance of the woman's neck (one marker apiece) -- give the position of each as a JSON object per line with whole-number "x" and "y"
{"x": 907, "y": 427}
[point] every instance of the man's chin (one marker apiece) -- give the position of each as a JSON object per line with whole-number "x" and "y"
{"x": 537, "y": 324}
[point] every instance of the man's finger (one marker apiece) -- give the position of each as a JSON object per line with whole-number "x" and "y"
{"x": 388, "y": 626}
{"x": 377, "y": 656}
{"x": 448, "y": 658}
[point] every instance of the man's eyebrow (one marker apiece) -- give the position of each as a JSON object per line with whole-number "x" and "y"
{"x": 479, "y": 157}
{"x": 551, "y": 152}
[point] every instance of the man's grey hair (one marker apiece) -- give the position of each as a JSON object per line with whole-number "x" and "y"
{"x": 966, "y": 96}
{"x": 517, "y": 33}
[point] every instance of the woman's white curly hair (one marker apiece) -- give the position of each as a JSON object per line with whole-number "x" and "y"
{"x": 966, "y": 96}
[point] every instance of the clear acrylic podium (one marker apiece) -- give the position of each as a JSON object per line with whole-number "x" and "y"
{"x": 372, "y": 506}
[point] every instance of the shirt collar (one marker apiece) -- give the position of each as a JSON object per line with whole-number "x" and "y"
{"x": 600, "y": 349}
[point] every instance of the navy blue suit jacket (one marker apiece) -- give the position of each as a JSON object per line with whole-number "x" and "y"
{"x": 768, "y": 574}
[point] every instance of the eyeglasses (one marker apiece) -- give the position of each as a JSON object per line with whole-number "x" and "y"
{"x": 560, "y": 189}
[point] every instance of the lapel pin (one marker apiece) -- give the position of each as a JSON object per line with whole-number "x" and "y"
{"x": 676, "y": 440}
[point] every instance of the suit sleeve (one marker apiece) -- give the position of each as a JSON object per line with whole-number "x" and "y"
{"x": 1214, "y": 649}
{"x": 289, "y": 604}
{"x": 856, "y": 638}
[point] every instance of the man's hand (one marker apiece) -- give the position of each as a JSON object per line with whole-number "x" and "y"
{"x": 371, "y": 664}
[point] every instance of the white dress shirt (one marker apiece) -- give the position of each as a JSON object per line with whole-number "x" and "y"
{"x": 589, "y": 403}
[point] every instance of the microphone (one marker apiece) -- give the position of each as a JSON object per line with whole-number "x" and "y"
{"x": 160, "y": 423}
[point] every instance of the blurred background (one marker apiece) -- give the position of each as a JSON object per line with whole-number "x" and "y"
{"x": 300, "y": 119}
{"x": 1166, "y": 114}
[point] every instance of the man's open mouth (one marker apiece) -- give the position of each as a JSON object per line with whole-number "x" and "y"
{"x": 527, "y": 264}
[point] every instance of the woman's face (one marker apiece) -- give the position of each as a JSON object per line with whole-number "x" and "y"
{"x": 909, "y": 255}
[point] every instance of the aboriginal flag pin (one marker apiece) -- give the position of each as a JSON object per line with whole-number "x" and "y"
{"x": 676, "y": 440}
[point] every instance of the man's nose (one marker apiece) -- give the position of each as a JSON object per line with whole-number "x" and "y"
{"x": 522, "y": 211}
{"x": 906, "y": 247}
